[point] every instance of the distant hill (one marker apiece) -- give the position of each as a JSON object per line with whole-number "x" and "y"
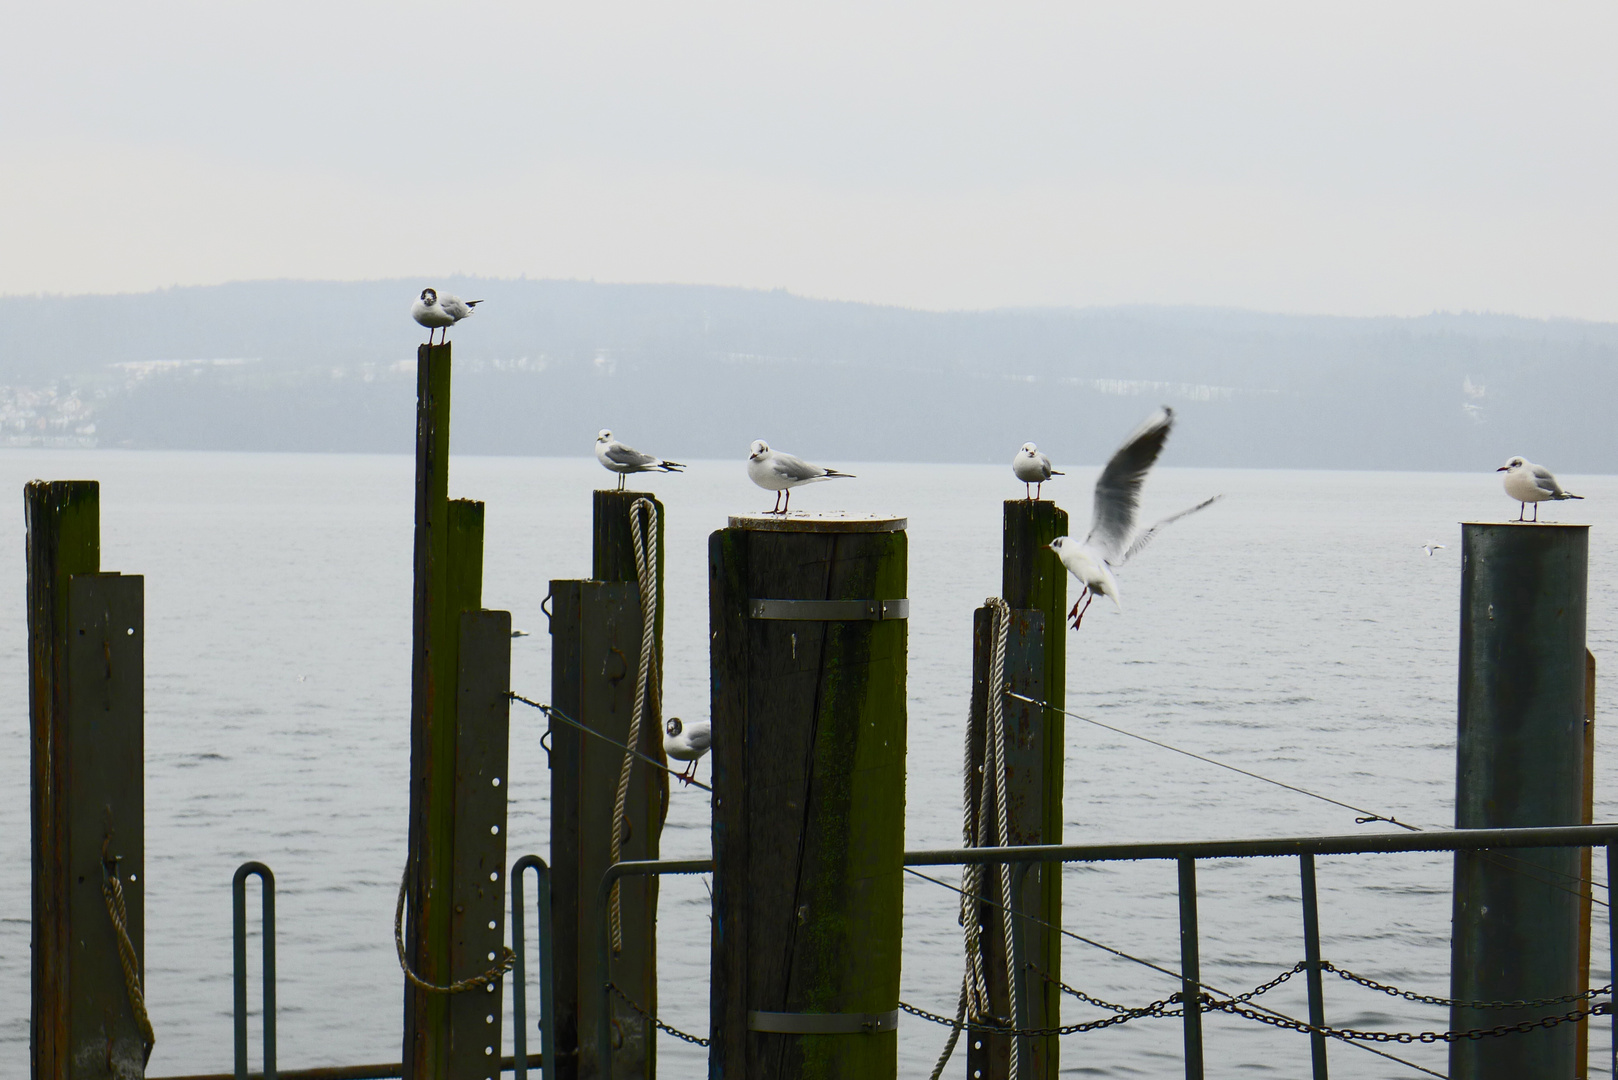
{"x": 694, "y": 372}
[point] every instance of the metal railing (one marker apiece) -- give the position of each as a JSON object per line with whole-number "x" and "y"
{"x": 238, "y": 893}
{"x": 1186, "y": 856}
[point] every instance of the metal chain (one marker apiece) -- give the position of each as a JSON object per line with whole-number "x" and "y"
{"x": 112, "y": 891}
{"x": 1157, "y": 1008}
{"x": 1429, "y": 999}
{"x": 676, "y": 1032}
{"x": 646, "y": 681}
{"x": 1262, "y": 988}
{"x": 1352, "y": 1035}
{"x": 503, "y": 963}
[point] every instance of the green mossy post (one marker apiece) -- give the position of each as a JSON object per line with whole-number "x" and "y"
{"x": 86, "y": 643}
{"x": 1033, "y": 578}
{"x": 809, "y": 778}
{"x": 448, "y": 583}
{"x": 596, "y": 633}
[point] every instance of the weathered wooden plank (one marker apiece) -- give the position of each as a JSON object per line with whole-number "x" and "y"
{"x": 567, "y": 684}
{"x": 477, "y": 920}
{"x": 64, "y": 539}
{"x": 808, "y": 835}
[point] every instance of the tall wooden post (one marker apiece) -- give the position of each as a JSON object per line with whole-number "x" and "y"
{"x": 596, "y": 629}
{"x": 1034, "y": 585}
{"x": 86, "y": 640}
{"x": 458, "y": 736}
{"x": 1520, "y": 762}
{"x": 808, "y": 708}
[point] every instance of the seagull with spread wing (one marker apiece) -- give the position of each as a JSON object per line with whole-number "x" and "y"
{"x": 623, "y": 460}
{"x": 1113, "y": 540}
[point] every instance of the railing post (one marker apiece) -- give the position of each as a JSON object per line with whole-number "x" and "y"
{"x": 1311, "y": 957}
{"x": 519, "y": 986}
{"x": 238, "y": 896}
{"x": 1190, "y": 968}
{"x": 1612, "y": 956}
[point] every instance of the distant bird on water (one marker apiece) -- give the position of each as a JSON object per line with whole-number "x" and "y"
{"x": 624, "y": 460}
{"x": 1530, "y": 483}
{"x": 1032, "y": 467}
{"x": 778, "y": 472}
{"x": 1113, "y": 540}
{"x": 687, "y": 740}
{"x": 437, "y": 313}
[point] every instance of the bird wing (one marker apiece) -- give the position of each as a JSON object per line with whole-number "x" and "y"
{"x": 1146, "y": 537}
{"x": 700, "y": 736}
{"x": 1118, "y": 489}
{"x": 1544, "y": 481}
{"x": 795, "y": 468}
{"x": 619, "y": 454}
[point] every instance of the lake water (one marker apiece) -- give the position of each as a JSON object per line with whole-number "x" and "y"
{"x": 1296, "y": 629}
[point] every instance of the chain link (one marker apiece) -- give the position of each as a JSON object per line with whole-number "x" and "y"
{"x": 1156, "y": 1008}
{"x": 1429, "y": 999}
{"x": 676, "y": 1032}
{"x": 1353, "y": 1035}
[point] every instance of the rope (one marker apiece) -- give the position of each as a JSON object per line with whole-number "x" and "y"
{"x": 112, "y": 891}
{"x": 503, "y": 962}
{"x": 646, "y": 569}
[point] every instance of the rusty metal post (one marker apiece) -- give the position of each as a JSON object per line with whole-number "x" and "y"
{"x": 1520, "y": 762}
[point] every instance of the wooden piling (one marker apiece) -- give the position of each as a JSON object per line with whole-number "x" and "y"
{"x": 1034, "y": 580}
{"x": 596, "y": 629}
{"x": 86, "y": 638}
{"x": 808, "y": 708}
{"x": 446, "y": 801}
{"x": 1586, "y": 883}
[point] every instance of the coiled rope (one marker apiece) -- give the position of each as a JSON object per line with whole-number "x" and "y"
{"x": 642, "y": 516}
{"x": 989, "y": 827}
{"x": 112, "y": 891}
{"x": 502, "y": 964}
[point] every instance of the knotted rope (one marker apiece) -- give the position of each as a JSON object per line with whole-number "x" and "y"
{"x": 642, "y": 516}
{"x": 112, "y": 891}
{"x": 502, "y": 964}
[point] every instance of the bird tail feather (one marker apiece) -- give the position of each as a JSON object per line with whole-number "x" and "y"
{"x": 834, "y": 474}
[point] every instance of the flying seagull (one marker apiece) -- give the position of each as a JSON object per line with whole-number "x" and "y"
{"x": 1530, "y": 483}
{"x": 623, "y": 460}
{"x": 778, "y": 472}
{"x": 687, "y": 741}
{"x": 435, "y": 313}
{"x": 1113, "y": 540}
{"x": 1032, "y": 467}
{"x": 1432, "y": 546}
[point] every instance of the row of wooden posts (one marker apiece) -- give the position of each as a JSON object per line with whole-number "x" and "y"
{"x": 808, "y": 703}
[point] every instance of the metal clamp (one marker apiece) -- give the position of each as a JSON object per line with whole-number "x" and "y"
{"x": 829, "y": 610}
{"x": 786, "y": 1023}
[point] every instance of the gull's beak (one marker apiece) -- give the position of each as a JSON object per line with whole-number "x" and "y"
{"x": 1503, "y": 468}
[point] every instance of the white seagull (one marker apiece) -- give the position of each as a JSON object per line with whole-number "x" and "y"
{"x": 778, "y": 472}
{"x": 623, "y": 460}
{"x": 1113, "y": 540}
{"x": 1530, "y": 483}
{"x": 1432, "y": 546}
{"x": 1032, "y": 467}
{"x": 687, "y": 741}
{"x": 436, "y": 313}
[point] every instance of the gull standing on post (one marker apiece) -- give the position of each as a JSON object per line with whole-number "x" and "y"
{"x": 1530, "y": 483}
{"x": 687, "y": 740}
{"x": 1032, "y": 467}
{"x": 778, "y": 472}
{"x": 623, "y": 460}
{"x": 435, "y": 313}
{"x": 1112, "y": 540}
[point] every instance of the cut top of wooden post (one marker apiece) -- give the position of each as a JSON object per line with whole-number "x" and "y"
{"x": 819, "y": 523}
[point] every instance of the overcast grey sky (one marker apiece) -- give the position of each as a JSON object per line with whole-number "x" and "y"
{"x": 1351, "y": 158}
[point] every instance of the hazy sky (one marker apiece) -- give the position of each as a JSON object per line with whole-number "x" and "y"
{"x": 1354, "y": 158}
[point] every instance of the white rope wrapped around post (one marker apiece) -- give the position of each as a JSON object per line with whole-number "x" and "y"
{"x": 642, "y": 516}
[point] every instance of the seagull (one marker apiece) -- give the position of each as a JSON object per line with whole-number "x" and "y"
{"x": 623, "y": 459}
{"x": 1530, "y": 483}
{"x": 778, "y": 472}
{"x": 1432, "y": 546}
{"x": 1032, "y": 467}
{"x": 435, "y": 313}
{"x": 1113, "y": 540}
{"x": 687, "y": 742}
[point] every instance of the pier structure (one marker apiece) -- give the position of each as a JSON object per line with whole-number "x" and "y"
{"x": 1018, "y": 753}
{"x": 86, "y": 696}
{"x": 598, "y": 629}
{"x": 455, "y": 880}
{"x": 808, "y": 655}
{"x": 1520, "y": 763}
